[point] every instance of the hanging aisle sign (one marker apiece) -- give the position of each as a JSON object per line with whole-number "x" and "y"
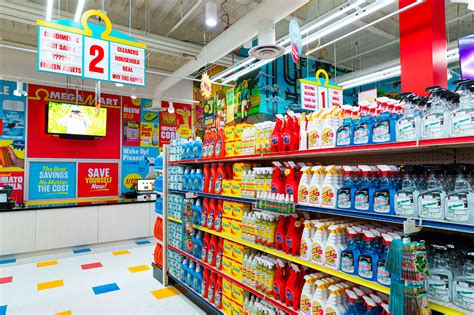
{"x": 315, "y": 95}
{"x": 91, "y": 51}
{"x": 295, "y": 40}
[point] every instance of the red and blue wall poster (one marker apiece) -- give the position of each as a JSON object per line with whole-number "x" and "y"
{"x": 179, "y": 122}
{"x": 12, "y": 139}
{"x": 97, "y": 179}
{"x": 137, "y": 163}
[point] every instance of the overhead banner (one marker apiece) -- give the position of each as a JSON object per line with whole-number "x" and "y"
{"x": 97, "y": 179}
{"x": 317, "y": 95}
{"x": 52, "y": 180}
{"x": 12, "y": 139}
{"x": 90, "y": 50}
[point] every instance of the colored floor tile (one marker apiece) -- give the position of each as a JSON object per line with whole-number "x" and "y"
{"x": 68, "y": 312}
{"x": 7, "y": 261}
{"x": 142, "y": 242}
{"x": 82, "y": 250}
{"x": 47, "y": 263}
{"x": 165, "y": 293}
{"x": 91, "y": 266}
{"x": 6, "y": 280}
{"x": 120, "y": 252}
{"x": 50, "y": 285}
{"x": 101, "y": 289}
{"x": 3, "y": 309}
{"x": 138, "y": 268}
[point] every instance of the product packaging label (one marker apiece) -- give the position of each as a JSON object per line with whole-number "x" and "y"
{"x": 331, "y": 257}
{"x": 303, "y": 194}
{"x": 317, "y": 254}
{"x": 314, "y": 195}
{"x": 430, "y": 206}
{"x": 406, "y": 130}
{"x": 343, "y": 136}
{"x": 464, "y": 293}
{"x": 305, "y": 305}
{"x": 344, "y": 199}
{"x": 361, "y": 134}
{"x": 313, "y": 139}
{"x": 365, "y": 267}
{"x": 438, "y": 287}
{"x": 347, "y": 262}
{"x": 404, "y": 204}
{"x": 317, "y": 308}
{"x": 383, "y": 276}
{"x": 361, "y": 201}
{"x": 382, "y": 202}
{"x": 328, "y": 197}
{"x": 327, "y": 137}
{"x": 463, "y": 123}
{"x": 433, "y": 125}
{"x": 381, "y": 132}
{"x": 457, "y": 207}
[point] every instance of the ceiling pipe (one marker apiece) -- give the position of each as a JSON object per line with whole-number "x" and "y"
{"x": 185, "y": 17}
{"x": 233, "y": 37}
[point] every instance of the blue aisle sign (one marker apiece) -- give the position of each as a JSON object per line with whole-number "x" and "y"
{"x": 52, "y": 180}
{"x": 90, "y": 51}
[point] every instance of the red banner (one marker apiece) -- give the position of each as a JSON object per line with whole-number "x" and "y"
{"x": 97, "y": 179}
{"x": 14, "y": 179}
{"x": 171, "y": 124}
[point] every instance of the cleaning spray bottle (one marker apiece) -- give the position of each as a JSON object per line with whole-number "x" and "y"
{"x": 345, "y": 133}
{"x": 408, "y": 127}
{"x": 307, "y": 241}
{"x": 276, "y": 137}
{"x": 293, "y": 236}
{"x": 329, "y": 128}
{"x": 315, "y": 186}
{"x": 461, "y": 120}
{"x": 383, "y": 276}
{"x": 364, "y": 190}
{"x": 361, "y": 128}
{"x": 303, "y": 133}
{"x": 314, "y": 130}
{"x": 368, "y": 259}
{"x": 431, "y": 201}
{"x": 383, "y": 130}
{"x": 318, "y": 244}
{"x": 345, "y": 197}
{"x": 280, "y": 233}
{"x": 291, "y": 184}
{"x": 306, "y": 295}
{"x": 459, "y": 203}
{"x": 279, "y": 285}
{"x": 333, "y": 306}
{"x": 293, "y": 290}
{"x": 277, "y": 185}
{"x": 435, "y": 121}
{"x": 333, "y": 248}
{"x": 350, "y": 255}
{"x": 384, "y": 192}
{"x": 405, "y": 200}
{"x": 303, "y": 187}
{"x": 330, "y": 187}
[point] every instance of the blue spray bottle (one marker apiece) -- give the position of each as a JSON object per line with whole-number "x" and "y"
{"x": 353, "y": 307}
{"x": 384, "y": 193}
{"x": 383, "y": 130}
{"x": 364, "y": 190}
{"x": 367, "y": 264}
{"x": 362, "y": 132}
{"x": 345, "y": 133}
{"x": 383, "y": 276}
{"x": 345, "y": 194}
{"x": 350, "y": 256}
{"x": 371, "y": 307}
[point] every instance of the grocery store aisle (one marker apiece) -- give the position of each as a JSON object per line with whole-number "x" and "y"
{"x": 116, "y": 279}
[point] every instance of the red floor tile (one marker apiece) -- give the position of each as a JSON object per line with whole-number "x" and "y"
{"x": 6, "y": 280}
{"x": 91, "y": 266}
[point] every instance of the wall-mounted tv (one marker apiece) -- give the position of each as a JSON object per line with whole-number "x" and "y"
{"x": 76, "y": 120}
{"x": 466, "y": 56}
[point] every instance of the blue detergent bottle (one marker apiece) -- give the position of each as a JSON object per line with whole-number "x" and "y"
{"x": 190, "y": 280}
{"x": 362, "y": 130}
{"x": 197, "y": 249}
{"x": 198, "y": 180}
{"x": 192, "y": 176}
{"x": 368, "y": 259}
{"x": 345, "y": 133}
{"x": 345, "y": 194}
{"x": 184, "y": 270}
{"x": 350, "y": 256}
{"x": 159, "y": 162}
{"x": 364, "y": 190}
{"x": 197, "y": 148}
{"x": 188, "y": 149}
{"x": 383, "y": 276}
{"x": 384, "y": 192}
{"x": 383, "y": 128}
{"x": 187, "y": 171}
{"x": 159, "y": 206}
{"x": 197, "y": 212}
{"x": 198, "y": 278}
{"x": 158, "y": 183}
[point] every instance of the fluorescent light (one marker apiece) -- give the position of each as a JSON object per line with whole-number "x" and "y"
{"x": 234, "y": 68}
{"x": 133, "y": 97}
{"x": 250, "y": 68}
{"x": 171, "y": 108}
{"x": 373, "y": 77}
{"x": 79, "y": 8}
{"x": 49, "y": 10}
{"x": 366, "y": 26}
{"x": 118, "y": 84}
{"x": 211, "y": 14}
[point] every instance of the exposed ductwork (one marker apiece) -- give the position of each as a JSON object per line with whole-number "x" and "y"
{"x": 235, "y": 36}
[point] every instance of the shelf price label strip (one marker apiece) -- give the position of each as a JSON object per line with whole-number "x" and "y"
{"x": 242, "y": 285}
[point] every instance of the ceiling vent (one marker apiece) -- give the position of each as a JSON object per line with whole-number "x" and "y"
{"x": 266, "y": 48}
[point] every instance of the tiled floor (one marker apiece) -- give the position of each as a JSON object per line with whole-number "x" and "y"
{"x": 116, "y": 279}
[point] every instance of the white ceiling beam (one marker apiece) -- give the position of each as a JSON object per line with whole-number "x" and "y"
{"x": 197, "y": 5}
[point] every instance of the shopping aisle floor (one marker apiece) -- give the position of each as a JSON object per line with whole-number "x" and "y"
{"x": 115, "y": 279}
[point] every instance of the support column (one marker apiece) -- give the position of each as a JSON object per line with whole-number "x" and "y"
{"x": 423, "y": 46}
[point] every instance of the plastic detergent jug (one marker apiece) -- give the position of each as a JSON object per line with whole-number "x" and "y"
{"x": 218, "y": 216}
{"x": 333, "y": 249}
{"x": 384, "y": 191}
{"x": 292, "y": 243}
{"x": 207, "y": 178}
{"x": 405, "y": 200}
{"x": 431, "y": 200}
{"x": 205, "y": 282}
{"x": 220, "y": 143}
{"x": 435, "y": 121}
{"x": 213, "y": 178}
{"x": 280, "y": 233}
{"x": 408, "y": 127}
{"x": 205, "y": 144}
{"x": 293, "y": 291}
{"x": 197, "y": 148}
{"x": 318, "y": 244}
{"x": 213, "y": 143}
{"x": 220, "y": 176}
{"x": 197, "y": 212}
{"x": 198, "y": 180}
{"x": 463, "y": 284}
{"x": 303, "y": 186}
{"x": 362, "y": 132}
{"x": 306, "y": 295}
{"x": 276, "y": 137}
{"x": 184, "y": 269}
{"x": 368, "y": 259}
{"x": 307, "y": 241}
{"x": 461, "y": 120}
{"x": 345, "y": 198}
{"x": 212, "y": 287}
{"x": 205, "y": 211}
{"x": 459, "y": 202}
{"x": 205, "y": 246}
{"x": 315, "y": 186}
{"x": 211, "y": 215}
{"x": 279, "y": 285}
{"x": 191, "y": 267}
{"x": 364, "y": 190}
{"x": 350, "y": 255}
{"x": 383, "y": 276}
{"x": 441, "y": 276}
{"x": 345, "y": 133}
{"x": 218, "y": 293}
{"x": 186, "y": 175}
{"x": 212, "y": 251}
{"x": 198, "y": 279}
{"x": 330, "y": 187}
{"x": 197, "y": 248}
{"x": 303, "y": 133}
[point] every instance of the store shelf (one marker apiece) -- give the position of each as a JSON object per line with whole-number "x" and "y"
{"x": 242, "y": 285}
{"x": 175, "y": 220}
{"x": 195, "y": 297}
{"x": 366, "y": 283}
{"x": 215, "y": 196}
{"x": 448, "y": 308}
{"x": 384, "y": 148}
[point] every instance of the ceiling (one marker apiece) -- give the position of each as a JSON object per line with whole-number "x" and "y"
{"x": 155, "y": 18}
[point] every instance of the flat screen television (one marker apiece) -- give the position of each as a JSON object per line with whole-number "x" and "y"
{"x": 466, "y": 56}
{"x": 76, "y": 120}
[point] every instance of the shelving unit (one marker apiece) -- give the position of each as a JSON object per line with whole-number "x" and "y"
{"x": 436, "y": 151}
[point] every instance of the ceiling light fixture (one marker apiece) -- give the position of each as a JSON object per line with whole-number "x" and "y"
{"x": 171, "y": 108}
{"x": 133, "y": 97}
{"x": 79, "y": 8}
{"x": 19, "y": 89}
{"x": 118, "y": 84}
{"x": 211, "y": 14}
{"x": 49, "y": 10}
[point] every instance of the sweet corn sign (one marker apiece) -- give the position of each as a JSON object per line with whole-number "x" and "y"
{"x": 90, "y": 51}
{"x": 315, "y": 95}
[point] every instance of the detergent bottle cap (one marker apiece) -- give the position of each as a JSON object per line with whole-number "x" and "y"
{"x": 369, "y": 236}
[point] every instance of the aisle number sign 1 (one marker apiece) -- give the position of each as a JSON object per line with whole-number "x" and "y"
{"x": 90, "y": 51}
{"x": 316, "y": 95}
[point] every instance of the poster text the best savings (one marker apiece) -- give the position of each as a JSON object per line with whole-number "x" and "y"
{"x": 53, "y": 180}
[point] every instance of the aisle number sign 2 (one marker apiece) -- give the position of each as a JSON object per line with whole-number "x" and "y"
{"x": 90, "y": 51}
{"x": 315, "y": 95}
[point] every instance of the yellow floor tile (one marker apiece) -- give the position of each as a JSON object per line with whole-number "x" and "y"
{"x": 47, "y": 263}
{"x": 165, "y": 293}
{"x": 120, "y": 252}
{"x": 50, "y": 285}
{"x": 64, "y": 313}
{"x": 138, "y": 268}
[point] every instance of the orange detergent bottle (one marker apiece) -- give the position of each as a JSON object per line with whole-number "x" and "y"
{"x": 218, "y": 293}
{"x": 220, "y": 252}
{"x": 212, "y": 143}
{"x": 205, "y": 246}
{"x": 220, "y": 143}
{"x": 211, "y": 287}
{"x": 205, "y": 212}
{"x": 211, "y": 214}
{"x": 218, "y": 216}
{"x": 212, "y": 179}
{"x": 212, "y": 251}
{"x": 219, "y": 178}
{"x": 206, "y": 274}
{"x": 207, "y": 178}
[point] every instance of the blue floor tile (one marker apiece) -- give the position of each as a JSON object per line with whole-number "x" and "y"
{"x": 142, "y": 242}
{"x": 105, "y": 288}
{"x": 82, "y": 250}
{"x": 7, "y": 261}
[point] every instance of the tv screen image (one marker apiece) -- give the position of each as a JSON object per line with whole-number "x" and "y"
{"x": 466, "y": 56}
{"x": 70, "y": 119}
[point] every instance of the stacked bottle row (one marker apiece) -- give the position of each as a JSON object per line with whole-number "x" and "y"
{"x": 185, "y": 178}
{"x": 254, "y": 305}
{"x": 185, "y": 149}
{"x": 175, "y": 206}
{"x": 175, "y": 234}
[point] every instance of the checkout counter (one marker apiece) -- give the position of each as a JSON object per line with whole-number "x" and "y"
{"x": 53, "y": 226}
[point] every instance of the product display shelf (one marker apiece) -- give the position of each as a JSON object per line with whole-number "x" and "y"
{"x": 175, "y": 220}
{"x": 215, "y": 196}
{"x": 195, "y": 297}
{"x": 385, "y": 148}
{"x": 357, "y": 280}
{"x": 448, "y": 308}
{"x": 278, "y": 304}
